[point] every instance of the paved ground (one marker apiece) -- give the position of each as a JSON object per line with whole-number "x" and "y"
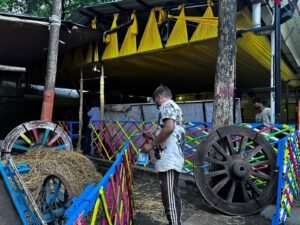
{"x": 195, "y": 210}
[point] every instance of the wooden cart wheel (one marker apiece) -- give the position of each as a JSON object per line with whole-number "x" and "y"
{"x": 54, "y": 198}
{"x": 35, "y": 134}
{"x": 235, "y": 170}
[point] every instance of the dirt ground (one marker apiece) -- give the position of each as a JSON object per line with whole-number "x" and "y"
{"x": 196, "y": 211}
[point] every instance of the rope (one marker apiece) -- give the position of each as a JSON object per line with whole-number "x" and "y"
{"x": 55, "y": 20}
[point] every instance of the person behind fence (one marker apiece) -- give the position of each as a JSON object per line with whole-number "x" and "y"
{"x": 168, "y": 151}
{"x": 264, "y": 113}
{"x": 94, "y": 115}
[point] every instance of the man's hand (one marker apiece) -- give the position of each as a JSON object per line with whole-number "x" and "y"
{"x": 147, "y": 148}
{"x": 148, "y": 134}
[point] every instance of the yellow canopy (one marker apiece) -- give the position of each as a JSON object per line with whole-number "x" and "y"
{"x": 189, "y": 62}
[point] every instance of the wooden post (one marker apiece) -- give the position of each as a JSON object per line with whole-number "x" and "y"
{"x": 226, "y": 65}
{"x": 48, "y": 99}
{"x": 102, "y": 103}
{"x": 80, "y": 112}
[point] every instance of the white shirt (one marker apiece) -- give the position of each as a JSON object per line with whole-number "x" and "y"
{"x": 94, "y": 114}
{"x": 264, "y": 116}
{"x": 172, "y": 156}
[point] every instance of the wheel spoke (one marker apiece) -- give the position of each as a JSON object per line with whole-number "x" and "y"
{"x": 35, "y": 134}
{"x": 25, "y": 138}
{"x": 254, "y": 187}
{"x": 220, "y": 185}
{"x": 260, "y": 163}
{"x": 260, "y": 175}
{"x": 231, "y": 191}
{"x": 243, "y": 144}
{"x": 253, "y": 152}
{"x": 230, "y": 145}
{"x": 57, "y": 186}
{"x": 46, "y": 136}
{"x": 215, "y": 173}
{"x": 66, "y": 196}
{"x": 20, "y": 147}
{"x": 53, "y": 139}
{"x": 219, "y": 149}
{"x": 60, "y": 147}
{"x": 214, "y": 161}
{"x": 47, "y": 194}
{"x": 245, "y": 192}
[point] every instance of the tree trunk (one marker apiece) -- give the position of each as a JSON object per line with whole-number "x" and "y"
{"x": 226, "y": 65}
{"x": 48, "y": 100}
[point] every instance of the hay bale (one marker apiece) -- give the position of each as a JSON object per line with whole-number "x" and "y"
{"x": 77, "y": 169}
{"x": 148, "y": 202}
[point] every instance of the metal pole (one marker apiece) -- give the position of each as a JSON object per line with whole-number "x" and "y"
{"x": 102, "y": 103}
{"x": 48, "y": 99}
{"x": 277, "y": 62}
{"x": 272, "y": 97}
{"x": 287, "y": 92}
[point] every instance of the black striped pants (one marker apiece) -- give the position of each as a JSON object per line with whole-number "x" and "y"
{"x": 171, "y": 196}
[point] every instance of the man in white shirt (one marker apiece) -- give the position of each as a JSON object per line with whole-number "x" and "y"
{"x": 94, "y": 114}
{"x": 264, "y": 114}
{"x": 170, "y": 157}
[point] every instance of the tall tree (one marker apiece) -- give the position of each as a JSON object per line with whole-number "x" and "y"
{"x": 226, "y": 64}
{"x": 43, "y": 7}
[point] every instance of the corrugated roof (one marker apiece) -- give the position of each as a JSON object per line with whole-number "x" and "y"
{"x": 85, "y": 14}
{"x": 24, "y": 40}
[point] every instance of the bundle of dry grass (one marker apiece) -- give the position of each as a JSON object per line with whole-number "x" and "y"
{"x": 77, "y": 169}
{"x": 148, "y": 203}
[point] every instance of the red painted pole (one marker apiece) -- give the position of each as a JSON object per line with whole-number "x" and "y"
{"x": 49, "y": 91}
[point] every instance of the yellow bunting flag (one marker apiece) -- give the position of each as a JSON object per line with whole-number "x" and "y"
{"x": 129, "y": 44}
{"x": 112, "y": 48}
{"x": 179, "y": 33}
{"x": 151, "y": 38}
{"x": 207, "y": 28}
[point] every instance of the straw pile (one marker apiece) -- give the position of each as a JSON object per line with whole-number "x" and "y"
{"x": 77, "y": 169}
{"x": 149, "y": 203}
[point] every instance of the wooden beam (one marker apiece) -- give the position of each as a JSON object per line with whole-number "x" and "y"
{"x": 12, "y": 69}
{"x": 18, "y": 20}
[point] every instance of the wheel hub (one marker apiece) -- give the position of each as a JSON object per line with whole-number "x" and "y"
{"x": 239, "y": 169}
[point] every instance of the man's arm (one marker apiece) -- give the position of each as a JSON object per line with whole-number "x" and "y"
{"x": 169, "y": 126}
{"x": 165, "y": 132}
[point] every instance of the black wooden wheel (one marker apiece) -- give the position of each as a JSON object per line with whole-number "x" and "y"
{"x": 35, "y": 134}
{"x": 235, "y": 170}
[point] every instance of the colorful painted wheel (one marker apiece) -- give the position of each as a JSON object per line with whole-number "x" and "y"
{"x": 35, "y": 134}
{"x": 54, "y": 198}
{"x": 235, "y": 170}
